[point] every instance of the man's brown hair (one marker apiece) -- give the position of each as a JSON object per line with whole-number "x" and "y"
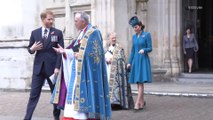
{"x": 44, "y": 14}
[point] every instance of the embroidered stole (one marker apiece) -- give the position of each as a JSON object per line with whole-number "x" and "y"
{"x": 79, "y": 67}
{"x": 113, "y": 71}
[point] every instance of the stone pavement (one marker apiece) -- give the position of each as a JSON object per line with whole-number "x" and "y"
{"x": 191, "y": 102}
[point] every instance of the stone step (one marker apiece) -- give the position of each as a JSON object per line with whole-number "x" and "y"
{"x": 197, "y": 75}
{"x": 195, "y": 80}
{"x": 204, "y": 78}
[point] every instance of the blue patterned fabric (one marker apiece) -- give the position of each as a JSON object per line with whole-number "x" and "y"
{"x": 94, "y": 93}
{"x": 140, "y": 63}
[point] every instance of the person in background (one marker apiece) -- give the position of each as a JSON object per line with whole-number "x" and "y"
{"x": 46, "y": 61}
{"x": 139, "y": 62}
{"x": 120, "y": 91}
{"x": 190, "y": 46}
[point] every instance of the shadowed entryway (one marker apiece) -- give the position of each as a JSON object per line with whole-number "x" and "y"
{"x": 198, "y": 14}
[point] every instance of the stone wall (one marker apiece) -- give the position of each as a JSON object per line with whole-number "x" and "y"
{"x": 16, "y": 64}
{"x": 161, "y": 18}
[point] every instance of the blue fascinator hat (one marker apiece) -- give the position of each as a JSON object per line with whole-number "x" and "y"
{"x": 134, "y": 21}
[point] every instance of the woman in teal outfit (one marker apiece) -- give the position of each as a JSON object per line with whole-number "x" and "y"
{"x": 139, "y": 62}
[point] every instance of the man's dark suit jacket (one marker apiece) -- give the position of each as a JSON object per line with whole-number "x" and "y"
{"x": 46, "y": 56}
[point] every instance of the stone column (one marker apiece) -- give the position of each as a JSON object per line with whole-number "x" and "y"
{"x": 99, "y": 15}
{"x": 141, "y": 11}
{"x": 103, "y": 15}
{"x": 175, "y": 38}
{"x": 166, "y": 37}
{"x": 68, "y": 20}
{"x": 68, "y": 23}
{"x": 171, "y": 30}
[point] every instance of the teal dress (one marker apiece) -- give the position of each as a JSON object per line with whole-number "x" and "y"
{"x": 140, "y": 63}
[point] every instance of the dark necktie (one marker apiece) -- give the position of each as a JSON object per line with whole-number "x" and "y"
{"x": 45, "y": 34}
{"x": 45, "y": 37}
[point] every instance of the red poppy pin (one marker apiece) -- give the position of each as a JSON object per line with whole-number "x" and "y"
{"x": 52, "y": 33}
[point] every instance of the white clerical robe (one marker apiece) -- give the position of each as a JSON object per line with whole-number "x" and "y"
{"x": 68, "y": 63}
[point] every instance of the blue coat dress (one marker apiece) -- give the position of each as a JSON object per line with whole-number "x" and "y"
{"x": 140, "y": 63}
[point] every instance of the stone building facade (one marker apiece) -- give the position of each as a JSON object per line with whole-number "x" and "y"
{"x": 162, "y": 18}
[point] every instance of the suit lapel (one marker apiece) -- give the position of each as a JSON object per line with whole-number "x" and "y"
{"x": 39, "y": 34}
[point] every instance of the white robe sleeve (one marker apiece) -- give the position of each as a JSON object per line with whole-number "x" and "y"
{"x": 67, "y": 62}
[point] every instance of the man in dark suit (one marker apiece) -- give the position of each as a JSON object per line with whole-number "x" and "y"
{"x": 46, "y": 61}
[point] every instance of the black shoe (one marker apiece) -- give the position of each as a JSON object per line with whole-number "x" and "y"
{"x": 137, "y": 109}
{"x": 144, "y": 105}
{"x": 140, "y": 109}
{"x": 116, "y": 107}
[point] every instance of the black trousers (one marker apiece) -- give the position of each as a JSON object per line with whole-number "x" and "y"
{"x": 37, "y": 83}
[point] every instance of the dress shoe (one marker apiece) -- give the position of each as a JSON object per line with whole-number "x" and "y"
{"x": 144, "y": 105}
{"x": 140, "y": 108}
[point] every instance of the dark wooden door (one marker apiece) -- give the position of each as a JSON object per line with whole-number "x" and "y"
{"x": 205, "y": 34}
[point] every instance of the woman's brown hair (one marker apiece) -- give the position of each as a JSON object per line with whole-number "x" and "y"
{"x": 142, "y": 25}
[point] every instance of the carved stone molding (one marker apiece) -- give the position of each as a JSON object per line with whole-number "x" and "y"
{"x": 58, "y": 11}
{"x": 79, "y": 2}
{"x": 141, "y": 4}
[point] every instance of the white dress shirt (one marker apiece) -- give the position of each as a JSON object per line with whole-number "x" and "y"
{"x": 48, "y": 30}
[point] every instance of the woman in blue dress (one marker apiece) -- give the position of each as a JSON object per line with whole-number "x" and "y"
{"x": 139, "y": 62}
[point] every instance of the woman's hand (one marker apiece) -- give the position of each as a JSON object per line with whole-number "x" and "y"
{"x": 141, "y": 51}
{"x": 59, "y": 49}
{"x": 195, "y": 49}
